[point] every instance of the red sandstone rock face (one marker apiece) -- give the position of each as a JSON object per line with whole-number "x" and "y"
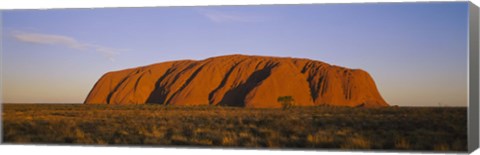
{"x": 238, "y": 80}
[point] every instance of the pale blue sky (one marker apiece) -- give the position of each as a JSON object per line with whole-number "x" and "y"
{"x": 416, "y": 52}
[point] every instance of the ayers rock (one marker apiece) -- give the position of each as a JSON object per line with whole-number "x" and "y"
{"x": 238, "y": 80}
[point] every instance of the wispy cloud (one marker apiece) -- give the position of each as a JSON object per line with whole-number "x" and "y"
{"x": 52, "y": 39}
{"x": 222, "y": 16}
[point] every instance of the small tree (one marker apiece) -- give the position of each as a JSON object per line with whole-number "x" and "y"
{"x": 286, "y": 101}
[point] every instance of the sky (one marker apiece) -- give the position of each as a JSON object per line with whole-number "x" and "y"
{"x": 415, "y": 52}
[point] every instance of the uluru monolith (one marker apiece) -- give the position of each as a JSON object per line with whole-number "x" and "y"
{"x": 238, "y": 80}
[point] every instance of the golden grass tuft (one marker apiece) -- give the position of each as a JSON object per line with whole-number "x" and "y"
{"x": 402, "y": 144}
{"x": 441, "y": 147}
{"x": 356, "y": 142}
